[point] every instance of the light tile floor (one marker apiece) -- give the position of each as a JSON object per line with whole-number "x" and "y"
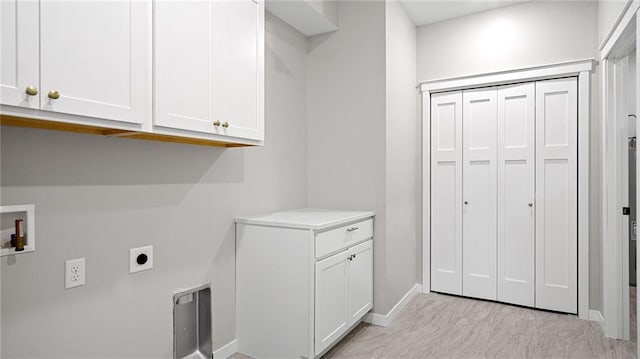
{"x": 633, "y": 313}
{"x": 442, "y": 326}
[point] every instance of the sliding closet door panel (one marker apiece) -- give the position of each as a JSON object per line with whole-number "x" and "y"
{"x": 516, "y": 214}
{"x": 446, "y": 192}
{"x": 556, "y": 195}
{"x": 479, "y": 193}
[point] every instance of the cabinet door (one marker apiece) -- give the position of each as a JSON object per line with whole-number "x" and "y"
{"x": 209, "y": 58}
{"x": 97, "y": 56}
{"x": 331, "y": 318}
{"x": 239, "y": 68}
{"x": 19, "y": 53}
{"x": 183, "y": 52}
{"x": 446, "y": 192}
{"x": 556, "y": 195}
{"x": 360, "y": 281}
{"x": 479, "y": 193}
{"x": 516, "y": 151}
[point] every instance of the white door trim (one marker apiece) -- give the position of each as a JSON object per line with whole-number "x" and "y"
{"x": 545, "y": 72}
{"x": 614, "y": 264}
{"x": 580, "y": 69}
{"x": 618, "y": 29}
{"x": 637, "y": 159}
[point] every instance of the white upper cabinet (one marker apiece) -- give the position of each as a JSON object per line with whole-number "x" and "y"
{"x": 95, "y": 59}
{"x": 19, "y": 54}
{"x": 239, "y": 68}
{"x": 183, "y": 50}
{"x": 209, "y": 75}
{"x": 180, "y": 71}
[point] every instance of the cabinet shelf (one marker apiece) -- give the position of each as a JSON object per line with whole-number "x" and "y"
{"x": 124, "y": 79}
{"x": 15, "y": 121}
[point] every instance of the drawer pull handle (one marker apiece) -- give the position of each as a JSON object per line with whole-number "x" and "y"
{"x": 352, "y": 229}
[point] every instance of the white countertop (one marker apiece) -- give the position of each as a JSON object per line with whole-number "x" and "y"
{"x": 307, "y": 218}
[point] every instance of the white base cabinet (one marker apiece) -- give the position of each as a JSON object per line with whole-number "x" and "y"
{"x": 343, "y": 293}
{"x": 304, "y": 279}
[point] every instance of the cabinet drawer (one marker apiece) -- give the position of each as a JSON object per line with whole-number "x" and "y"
{"x": 342, "y": 237}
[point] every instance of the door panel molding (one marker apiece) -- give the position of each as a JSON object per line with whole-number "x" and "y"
{"x": 579, "y": 69}
{"x": 446, "y": 185}
{"x": 516, "y": 180}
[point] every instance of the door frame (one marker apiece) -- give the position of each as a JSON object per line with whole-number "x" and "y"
{"x": 582, "y": 70}
{"x": 615, "y": 250}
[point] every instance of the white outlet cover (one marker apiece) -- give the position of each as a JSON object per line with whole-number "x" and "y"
{"x": 134, "y": 267}
{"x": 74, "y": 274}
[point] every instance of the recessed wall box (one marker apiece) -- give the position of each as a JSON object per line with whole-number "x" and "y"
{"x": 9, "y": 217}
{"x": 192, "y": 324}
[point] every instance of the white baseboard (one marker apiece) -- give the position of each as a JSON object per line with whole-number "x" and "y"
{"x": 226, "y": 351}
{"x": 385, "y": 320}
{"x": 596, "y": 316}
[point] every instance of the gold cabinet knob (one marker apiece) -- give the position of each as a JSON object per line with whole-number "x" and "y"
{"x": 225, "y": 124}
{"x": 31, "y": 90}
{"x": 216, "y": 123}
{"x": 54, "y": 95}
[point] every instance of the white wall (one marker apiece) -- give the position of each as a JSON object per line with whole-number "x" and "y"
{"x": 523, "y": 35}
{"x": 403, "y": 149}
{"x": 346, "y": 122}
{"x": 528, "y": 34}
{"x": 362, "y": 133}
{"x": 97, "y": 197}
{"x": 326, "y": 8}
{"x": 609, "y": 11}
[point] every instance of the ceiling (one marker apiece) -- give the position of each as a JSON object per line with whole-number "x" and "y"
{"x": 424, "y": 12}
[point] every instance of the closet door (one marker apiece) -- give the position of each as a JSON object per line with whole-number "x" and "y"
{"x": 516, "y": 216}
{"x": 556, "y": 195}
{"x": 479, "y": 192}
{"x": 446, "y": 192}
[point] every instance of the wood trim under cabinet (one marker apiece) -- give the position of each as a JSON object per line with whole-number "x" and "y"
{"x": 7, "y": 120}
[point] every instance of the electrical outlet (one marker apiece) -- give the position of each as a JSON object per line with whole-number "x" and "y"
{"x": 74, "y": 273}
{"x": 140, "y": 259}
